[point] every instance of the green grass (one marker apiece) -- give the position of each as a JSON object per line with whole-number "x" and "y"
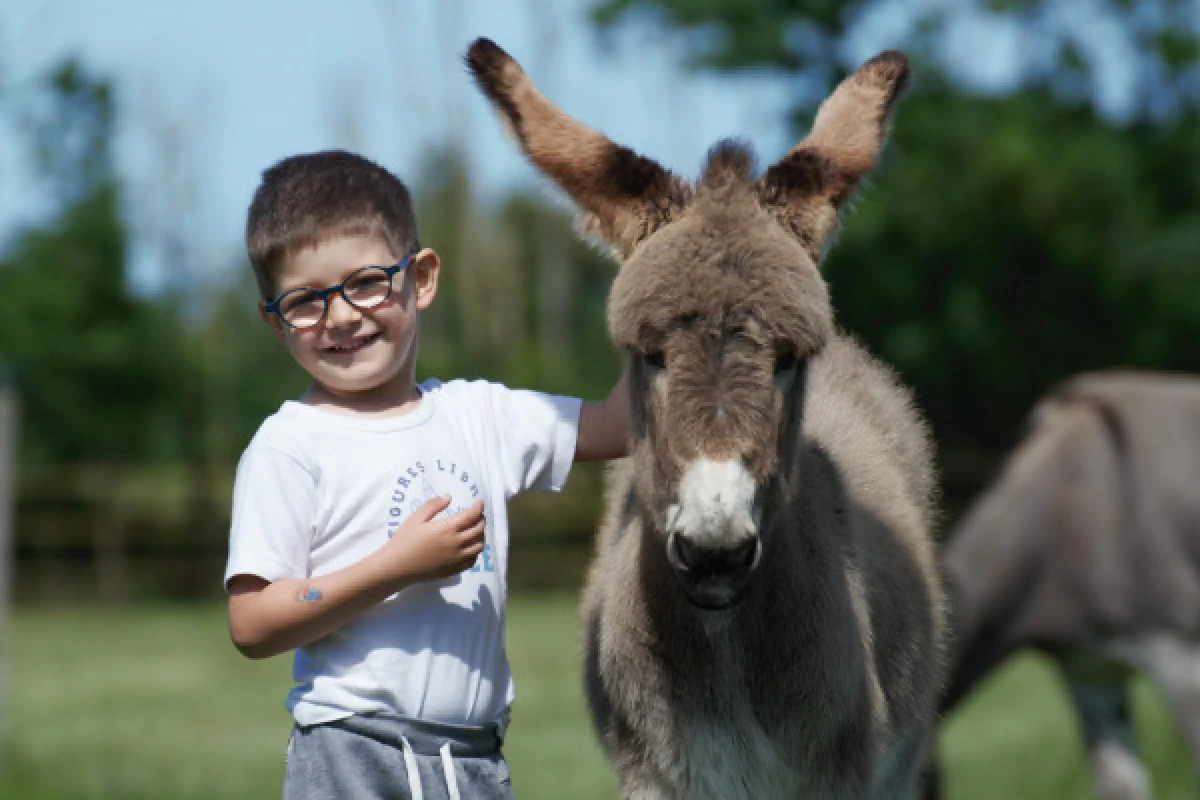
{"x": 1018, "y": 738}
{"x": 154, "y": 703}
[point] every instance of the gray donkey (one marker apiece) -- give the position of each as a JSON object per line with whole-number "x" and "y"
{"x": 762, "y": 618}
{"x": 1087, "y": 547}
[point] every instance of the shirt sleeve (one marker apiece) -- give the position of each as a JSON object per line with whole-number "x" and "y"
{"x": 534, "y": 435}
{"x": 274, "y": 501}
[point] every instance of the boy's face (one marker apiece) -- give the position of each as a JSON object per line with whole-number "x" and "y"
{"x": 355, "y": 353}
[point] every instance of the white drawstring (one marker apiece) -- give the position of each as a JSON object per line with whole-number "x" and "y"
{"x": 414, "y": 777}
{"x": 448, "y": 768}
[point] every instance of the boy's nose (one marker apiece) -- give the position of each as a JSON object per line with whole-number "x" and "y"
{"x": 340, "y": 312}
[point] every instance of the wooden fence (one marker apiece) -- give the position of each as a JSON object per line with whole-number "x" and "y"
{"x": 115, "y": 533}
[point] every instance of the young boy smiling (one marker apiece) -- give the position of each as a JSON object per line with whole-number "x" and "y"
{"x": 369, "y": 528}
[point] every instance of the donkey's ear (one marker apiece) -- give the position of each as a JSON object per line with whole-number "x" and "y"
{"x": 811, "y": 184}
{"x": 624, "y": 197}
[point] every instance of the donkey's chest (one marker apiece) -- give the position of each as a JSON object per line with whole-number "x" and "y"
{"x": 732, "y": 758}
{"x": 733, "y": 737}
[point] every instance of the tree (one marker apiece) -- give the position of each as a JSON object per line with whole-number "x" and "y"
{"x": 490, "y": 318}
{"x": 1065, "y": 45}
{"x": 94, "y": 363}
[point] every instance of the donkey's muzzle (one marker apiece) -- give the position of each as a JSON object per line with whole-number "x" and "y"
{"x": 713, "y": 577}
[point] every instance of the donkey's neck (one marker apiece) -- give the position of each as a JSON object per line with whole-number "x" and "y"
{"x": 790, "y": 648}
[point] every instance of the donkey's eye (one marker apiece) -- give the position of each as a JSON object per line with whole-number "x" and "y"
{"x": 654, "y": 360}
{"x": 785, "y": 362}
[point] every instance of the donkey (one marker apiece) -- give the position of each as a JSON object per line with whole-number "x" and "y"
{"x": 762, "y": 618}
{"x": 1087, "y": 548}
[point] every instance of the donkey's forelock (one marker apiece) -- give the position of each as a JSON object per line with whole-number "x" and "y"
{"x": 726, "y": 261}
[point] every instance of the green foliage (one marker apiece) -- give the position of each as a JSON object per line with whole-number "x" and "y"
{"x": 94, "y": 364}
{"x": 71, "y": 131}
{"x": 82, "y": 348}
{"x": 746, "y": 33}
{"x": 1007, "y": 243}
{"x": 521, "y": 299}
{"x": 240, "y": 372}
{"x": 804, "y": 38}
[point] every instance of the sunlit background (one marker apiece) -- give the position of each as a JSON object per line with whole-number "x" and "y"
{"x": 1036, "y": 214}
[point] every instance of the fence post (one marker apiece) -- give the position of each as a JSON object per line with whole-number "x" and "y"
{"x": 9, "y": 408}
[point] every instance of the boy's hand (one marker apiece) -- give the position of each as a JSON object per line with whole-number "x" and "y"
{"x": 428, "y": 549}
{"x": 271, "y": 617}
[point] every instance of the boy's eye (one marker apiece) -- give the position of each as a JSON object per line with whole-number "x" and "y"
{"x": 302, "y": 307}
{"x": 299, "y": 301}
{"x": 368, "y": 287}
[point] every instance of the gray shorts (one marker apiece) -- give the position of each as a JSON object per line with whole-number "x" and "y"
{"x": 375, "y": 756}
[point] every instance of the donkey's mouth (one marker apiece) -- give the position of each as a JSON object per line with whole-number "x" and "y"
{"x": 713, "y": 578}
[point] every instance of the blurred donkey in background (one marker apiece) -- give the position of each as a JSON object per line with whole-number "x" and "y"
{"x": 1087, "y": 548}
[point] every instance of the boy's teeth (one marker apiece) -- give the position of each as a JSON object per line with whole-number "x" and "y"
{"x": 351, "y": 345}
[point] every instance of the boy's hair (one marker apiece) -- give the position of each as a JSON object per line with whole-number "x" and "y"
{"x": 307, "y": 199}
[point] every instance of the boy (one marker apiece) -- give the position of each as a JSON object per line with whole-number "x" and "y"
{"x": 369, "y": 528}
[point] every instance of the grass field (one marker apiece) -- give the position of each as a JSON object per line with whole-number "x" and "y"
{"x": 154, "y": 704}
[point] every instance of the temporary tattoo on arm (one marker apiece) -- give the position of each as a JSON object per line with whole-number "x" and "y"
{"x": 308, "y": 595}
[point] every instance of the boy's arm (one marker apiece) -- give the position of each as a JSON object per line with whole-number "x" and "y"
{"x": 604, "y": 426}
{"x": 271, "y": 617}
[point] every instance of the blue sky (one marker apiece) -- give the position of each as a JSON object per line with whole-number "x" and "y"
{"x": 210, "y": 92}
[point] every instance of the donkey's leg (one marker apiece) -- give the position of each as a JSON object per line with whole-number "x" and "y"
{"x": 931, "y": 779}
{"x": 1103, "y": 707}
{"x": 899, "y": 775}
{"x": 1175, "y": 666}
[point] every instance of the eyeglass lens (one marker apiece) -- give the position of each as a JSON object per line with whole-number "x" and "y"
{"x": 365, "y": 289}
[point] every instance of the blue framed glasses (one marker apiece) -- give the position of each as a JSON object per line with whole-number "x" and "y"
{"x": 364, "y": 289}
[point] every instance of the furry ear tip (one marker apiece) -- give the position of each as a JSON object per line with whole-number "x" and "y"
{"x": 485, "y": 59}
{"x": 889, "y": 68}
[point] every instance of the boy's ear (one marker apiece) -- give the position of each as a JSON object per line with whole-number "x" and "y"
{"x": 272, "y": 320}
{"x": 426, "y": 266}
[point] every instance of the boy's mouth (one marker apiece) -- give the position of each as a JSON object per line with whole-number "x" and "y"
{"x": 351, "y": 345}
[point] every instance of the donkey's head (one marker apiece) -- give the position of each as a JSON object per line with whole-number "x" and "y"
{"x": 718, "y": 303}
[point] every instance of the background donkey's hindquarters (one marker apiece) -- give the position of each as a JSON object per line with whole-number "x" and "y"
{"x": 1087, "y": 547}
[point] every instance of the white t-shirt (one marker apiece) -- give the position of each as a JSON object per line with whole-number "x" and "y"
{"x": 316, "y": 492}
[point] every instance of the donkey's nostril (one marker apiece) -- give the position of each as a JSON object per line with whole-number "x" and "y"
{"x": 683, "y": 554}
{"x": 745, "y": 555}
